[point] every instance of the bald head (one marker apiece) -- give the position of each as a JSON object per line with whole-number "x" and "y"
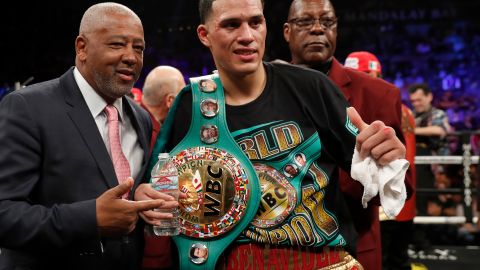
{"x": 161, "y": 81}
{"x": 109, "y": 49}
{"x": 160, "y": 89}
{"x": 98, "y": 16}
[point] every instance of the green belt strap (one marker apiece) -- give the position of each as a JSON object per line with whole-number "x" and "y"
{"x": 215, "y": 244}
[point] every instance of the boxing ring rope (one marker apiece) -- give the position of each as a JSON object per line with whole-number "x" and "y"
{"x": 466, "y": 160}
{"x": 441, "y": 220}
{"x": 443, "y": 160}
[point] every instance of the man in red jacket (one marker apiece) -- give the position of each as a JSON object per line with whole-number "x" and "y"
{"x": 311, "y": 31}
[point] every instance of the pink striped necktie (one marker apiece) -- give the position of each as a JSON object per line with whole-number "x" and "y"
{"x": 120, "y": 162}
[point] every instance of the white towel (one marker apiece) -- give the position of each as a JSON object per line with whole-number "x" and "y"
{"x": 388, "y": 180}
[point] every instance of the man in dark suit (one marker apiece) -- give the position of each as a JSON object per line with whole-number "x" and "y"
{"x": 311, "y": 31}
{"x": 61, "y": 203}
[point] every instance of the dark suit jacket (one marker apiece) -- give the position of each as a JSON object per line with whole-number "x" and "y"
{"x": 53, "y": 165}
{"x": 374, "y": 99}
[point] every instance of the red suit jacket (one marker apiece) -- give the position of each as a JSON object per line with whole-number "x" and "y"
{"x": 408, "y": 129}
{"x": 374, "y": 99}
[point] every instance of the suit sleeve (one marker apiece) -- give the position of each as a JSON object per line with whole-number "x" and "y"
{"x": 24, "y": 224}
{"x": 342, "y": 139}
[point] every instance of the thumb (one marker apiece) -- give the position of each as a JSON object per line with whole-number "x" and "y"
{"x": 356, "y": 119}
{"x": 123, "y": 188}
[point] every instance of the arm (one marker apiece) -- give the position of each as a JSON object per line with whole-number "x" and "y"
{"x": 430, "y": 131}
{"x": 338, "y": 130}
{"x": 439, "y": 125}
{"x": 384, "y": 103}
{"x": 327, "y": 109}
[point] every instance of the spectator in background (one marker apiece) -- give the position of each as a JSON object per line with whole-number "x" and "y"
{"x": 311, "y": 33}
{"x": 432, "y": 123}
{"x": 396, "y": 233}
{"x": 160, "y": 89}
{"x": 431, "y": 128}
{"x": 364, "y": 62}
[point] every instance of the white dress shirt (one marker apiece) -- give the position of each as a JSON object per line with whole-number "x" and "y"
{"x": 128, "y": 136}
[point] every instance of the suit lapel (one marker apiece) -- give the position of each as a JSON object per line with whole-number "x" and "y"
{"x": 82, "y": 118}
{"x": 340, "y": 78}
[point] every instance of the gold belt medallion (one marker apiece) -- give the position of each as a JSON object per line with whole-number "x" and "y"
{"x": 278, "y": 197}
{"x": 216, "y": 186}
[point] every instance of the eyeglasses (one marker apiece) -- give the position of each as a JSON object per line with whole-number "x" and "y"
{"x": 308, "y": 23}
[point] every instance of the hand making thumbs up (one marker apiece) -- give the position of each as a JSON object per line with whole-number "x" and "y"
{"x": 376, "y": 140}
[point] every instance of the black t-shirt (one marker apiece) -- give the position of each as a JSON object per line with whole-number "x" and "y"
{"x": 298, "y": 106}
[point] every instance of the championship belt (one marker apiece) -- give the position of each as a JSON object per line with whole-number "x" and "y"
{"x": 220, "y": 182}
